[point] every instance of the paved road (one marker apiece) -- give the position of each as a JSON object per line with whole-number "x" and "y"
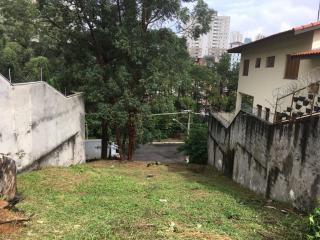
{"x": 165, "y": 153}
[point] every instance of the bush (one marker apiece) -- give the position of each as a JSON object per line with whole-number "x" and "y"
{"x": 314, "y": 225}
{"x": 196, "y": 145}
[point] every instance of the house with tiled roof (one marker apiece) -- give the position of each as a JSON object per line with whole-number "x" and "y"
{"x": 274, "y": 62}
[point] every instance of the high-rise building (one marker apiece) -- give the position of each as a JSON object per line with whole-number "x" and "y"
{"x": 247, "y": 40}
{"x": 215, "y": 42}
{"x": 236, "y": 36}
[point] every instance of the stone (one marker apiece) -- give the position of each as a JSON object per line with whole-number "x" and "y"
{"x": 8, "y": 182}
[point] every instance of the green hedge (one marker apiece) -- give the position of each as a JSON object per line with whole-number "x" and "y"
{"x": 196, "y": 145}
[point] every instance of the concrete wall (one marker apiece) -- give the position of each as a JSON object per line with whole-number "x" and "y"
{"x": 279, "y": 161}
{"x": 40, "y": 126}
{"x": 262, "y": 82}
{"x": 93, "y": 149}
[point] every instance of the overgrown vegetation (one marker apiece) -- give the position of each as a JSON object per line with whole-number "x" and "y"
{"x": 109, "y": 200}
{"x": 195, "y": 145}
{"x": 122, "y": 55}
{"x": 314, "y": 225}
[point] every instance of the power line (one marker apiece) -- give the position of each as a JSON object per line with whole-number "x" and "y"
{"x": 174, "y": 113}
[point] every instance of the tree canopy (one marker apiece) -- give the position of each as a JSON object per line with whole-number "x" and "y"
{"x": 124, "y": 55}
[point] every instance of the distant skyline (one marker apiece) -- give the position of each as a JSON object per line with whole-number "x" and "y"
{"x": 252, "y": 17}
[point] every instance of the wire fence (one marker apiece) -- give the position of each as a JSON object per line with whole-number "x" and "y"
{"x": 303, "y": 102}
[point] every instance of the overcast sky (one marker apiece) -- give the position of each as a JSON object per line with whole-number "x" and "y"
{"x": 251, "y": 17}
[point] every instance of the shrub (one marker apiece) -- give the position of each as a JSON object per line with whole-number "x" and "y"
{"x": 314, "y": 225}
{"x": 196, "y": 145}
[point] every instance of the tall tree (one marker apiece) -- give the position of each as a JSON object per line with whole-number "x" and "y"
{"x": 120, "y": 41}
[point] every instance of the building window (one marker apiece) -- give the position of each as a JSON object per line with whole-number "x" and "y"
{"x": 258, "y": 62}
{"x": 292, "y": 67}
{"x": 270, "y": 61}
{"x": 246, "y": 67}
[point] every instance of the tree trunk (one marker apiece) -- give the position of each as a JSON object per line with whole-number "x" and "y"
{"x": 132, "y": 136}
{"x": 8, "y": 181}
{"x": 119, "y": 143}
{"x": 104, "y": 139}
{"x": 124, "y": 143}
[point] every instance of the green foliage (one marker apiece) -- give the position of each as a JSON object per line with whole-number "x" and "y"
{"x": 19, "y": 21}
{"x": 196, "y": 145}
{"x": 226, "y": 77}
{"x": 203, "y": 85}
{"x": 18, "y": 29}
{"x": 203, "y": 17}
{"x": 119, "y": 53}
{"x": 314, "y": 225}
{"x": 34, "y": 66}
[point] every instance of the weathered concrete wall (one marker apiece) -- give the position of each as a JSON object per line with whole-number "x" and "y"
{"x": 40, "y": 126}
{"x": 279, "y": 161}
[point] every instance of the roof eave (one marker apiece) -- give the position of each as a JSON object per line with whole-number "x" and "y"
{"x": 245, "y": 46}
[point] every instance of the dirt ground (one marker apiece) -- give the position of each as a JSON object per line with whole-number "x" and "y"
{"x": 13, "y": 226}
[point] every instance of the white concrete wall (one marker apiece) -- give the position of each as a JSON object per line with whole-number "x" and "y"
{"x": 262, "y": 82}
{"x": 316, "y": 40}
{"x": 40, "y": 126}
{"x": 93, "y": 149}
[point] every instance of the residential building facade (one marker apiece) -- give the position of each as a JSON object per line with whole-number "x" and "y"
{"x": 274, "y": 62}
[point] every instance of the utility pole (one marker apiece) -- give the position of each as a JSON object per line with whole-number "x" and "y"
{"x": 318, "y": 12}
{"x": 189, "y": 122}
{"x": 10, "y": 75}
{"x": 86, "y": 131}
{"x": 41, "y": 74}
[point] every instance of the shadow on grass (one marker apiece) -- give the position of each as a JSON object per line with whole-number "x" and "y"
{"x": 279, "y": 220}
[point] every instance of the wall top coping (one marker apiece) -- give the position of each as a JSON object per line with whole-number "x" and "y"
{"x": 4, "y": 79}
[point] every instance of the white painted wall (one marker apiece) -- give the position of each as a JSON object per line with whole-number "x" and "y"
{"x": 316, "y": 40}
{"x": 262, "y": 81}
{"x": 39, "y": 126}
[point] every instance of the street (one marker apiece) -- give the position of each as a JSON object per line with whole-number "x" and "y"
{"x": 161, "y": 152}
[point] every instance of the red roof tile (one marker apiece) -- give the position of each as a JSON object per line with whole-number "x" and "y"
{"x": 307, "y": 27}
{"x": 307, "y": 53}
{"x": 310, "y": 25}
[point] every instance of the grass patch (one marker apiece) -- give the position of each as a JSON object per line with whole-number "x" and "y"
{"x": 109, "y": 200}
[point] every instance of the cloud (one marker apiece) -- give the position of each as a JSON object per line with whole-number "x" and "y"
{"x": 266, "y": 16}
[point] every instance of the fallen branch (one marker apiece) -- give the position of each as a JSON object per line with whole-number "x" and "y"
{"x": 16, "y": 220}
{"x": 284, "y": 211}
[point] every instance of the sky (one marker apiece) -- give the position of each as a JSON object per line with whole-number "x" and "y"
{"x": 251, "y": 17}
